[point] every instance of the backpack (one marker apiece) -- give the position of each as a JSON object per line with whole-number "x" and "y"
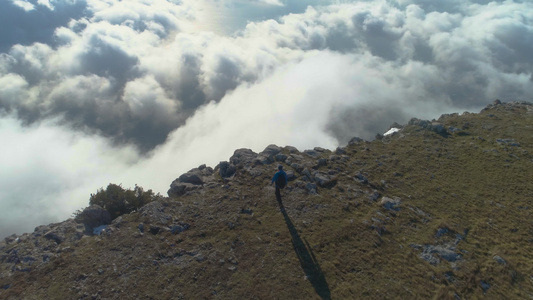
{"x": 281, "y": 181}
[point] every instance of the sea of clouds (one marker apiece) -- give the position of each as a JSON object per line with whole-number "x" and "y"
{"x": 138, "y": 92}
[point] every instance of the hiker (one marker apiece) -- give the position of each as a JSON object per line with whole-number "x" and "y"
{"x": 280, "y": 179}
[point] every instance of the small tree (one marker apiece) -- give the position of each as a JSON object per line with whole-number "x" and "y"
{"x": 118, "y": 201}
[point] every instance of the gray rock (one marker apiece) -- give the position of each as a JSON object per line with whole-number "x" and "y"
{"x": 321, "y": 163}
{"x": 324, "y": 180}
{"x": 292, "y": 149}
{"x": 374, "y": 196}
{"x": 154, "y": 229}
{"x": 271, "y": 150}
{"x": 141, "y": 227}
{"x": 242, "y": 157}
{"x": 280, "y": 157}
{"x": 311, "y": 188}
{"x": 192, "y": 178}
{"x": 499, "y": 260}
{"x": 311, "y": 153}
{"x": 391, "y": 203}
{"x": 94, "y": 216}
{"x": 340, "y": 151}
{"x": 485, "y": 286}
{"x": 227, "y": 169}
{"x": 361, "y": 178}
{"x": 179, "y": 188}
{"x": 290, "y": 175}
{"x": 175, "y": 229}
{"x": 355, "y": 140}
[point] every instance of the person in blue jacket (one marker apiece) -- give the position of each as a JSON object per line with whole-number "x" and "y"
{"x": 280, "y": 179}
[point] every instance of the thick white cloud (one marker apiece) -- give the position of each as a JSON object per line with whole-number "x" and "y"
{"x": 159, "y": 76}
{"x": 48, "y": 172}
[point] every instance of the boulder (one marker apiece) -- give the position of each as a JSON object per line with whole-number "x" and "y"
{"x": 226, "y": 169}
{"x": 94, "y": 216}
{"x": 325, "y": 180}
{"x": 391, "y": 203}
{"x": 242, "y": 157}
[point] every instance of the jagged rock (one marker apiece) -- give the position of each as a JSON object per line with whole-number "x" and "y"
{"x": 179, "y": 228}
{"x": 292, "y": 149}
{"x": 321, "y": 163}
{"x": 263, "y": 160}
{"x": 320, "y": 149}
{"x": 340, "y": 151}
{"x": 324, "y": 180}
{"x": 312, "y": 153}
{"x": 93, "y": 216}
{"x": 391, "y": 203}
{"x": 290, "y": 176}
{"x": 154, "y": 229}
{"x": 298, "y": 167}
{"x": 192, "y": 178}
{"x": 271, "y": 150}
{"x": 445, "y": 252}
{"x": 355, "y": 140}
{"x": 485, "y": 286}
{"x": 242, "y": 157}
{"x": 361, "y": 178}
{"x": 280, "y": 157}
{"x": 227, "y": 169}
{"x": 311, "y": 188}
{"x": 68, "y": 230}
{"x": 178, "y": 188}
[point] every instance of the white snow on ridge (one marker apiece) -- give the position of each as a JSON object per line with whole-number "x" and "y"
{"x": 391, "y": 131}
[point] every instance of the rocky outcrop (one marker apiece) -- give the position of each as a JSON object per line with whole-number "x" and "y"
{"x": 194, "y": 179}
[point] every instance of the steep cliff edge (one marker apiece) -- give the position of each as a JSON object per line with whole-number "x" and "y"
{"x": 437, "y": 209}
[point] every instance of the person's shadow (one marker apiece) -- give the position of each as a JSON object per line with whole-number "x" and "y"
{"x": 307, "y": 259}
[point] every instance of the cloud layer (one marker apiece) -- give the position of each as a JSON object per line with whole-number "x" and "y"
{"x": 141, "y": 91}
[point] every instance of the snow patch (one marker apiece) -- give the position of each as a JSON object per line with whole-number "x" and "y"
{"x": 391, "y": 131}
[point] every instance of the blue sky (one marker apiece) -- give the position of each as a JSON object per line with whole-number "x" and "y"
{"x": 139, "y": 92}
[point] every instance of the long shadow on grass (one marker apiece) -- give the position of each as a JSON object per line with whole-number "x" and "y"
{"x": 307, "y": 259}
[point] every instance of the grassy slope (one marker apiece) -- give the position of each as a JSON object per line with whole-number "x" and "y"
{"x": 467, "y": 183}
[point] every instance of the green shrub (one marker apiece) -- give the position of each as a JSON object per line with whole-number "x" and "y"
{"x": 118, "y": 201}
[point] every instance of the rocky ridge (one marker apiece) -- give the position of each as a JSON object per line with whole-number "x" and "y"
{"x": 446, "y": 202}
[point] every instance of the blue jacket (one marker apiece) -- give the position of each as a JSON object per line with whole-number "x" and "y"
{"x": 280, "y": 173}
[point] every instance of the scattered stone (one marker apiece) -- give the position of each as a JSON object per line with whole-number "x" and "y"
{"x": 355, "y": 140}
{"x": 374, "y": 196}
{"x": 324, "y": 180}
{"x": 141, "y": 227}
{"x": 247, "y": 211}
{"x": 199, "y": 257}
{"x": 175, "y": 229}
{"x": 509, "y": 142}
{"x": 311, "y": 188}
{"x": 280, "y": 157}
{"x": 444, "y": 252}
{"x": 485, "y": 286}
{"x": 391, "y": 203}
{"x": 361, "y": 178}
{"x": 499, "y": 260}
{"x": 154, "y": 229}
{"x": 311, "y": 153}
{"x": 226, "y": 169}
{"x": 340, "y": 151}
